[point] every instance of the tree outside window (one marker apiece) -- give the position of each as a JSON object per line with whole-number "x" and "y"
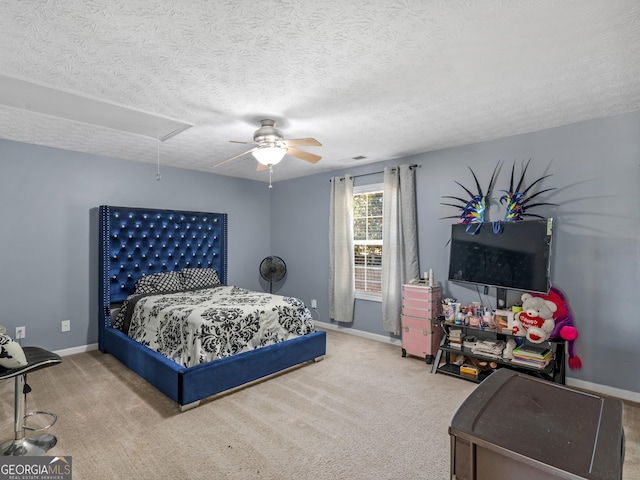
{"x": 367, "y": 240}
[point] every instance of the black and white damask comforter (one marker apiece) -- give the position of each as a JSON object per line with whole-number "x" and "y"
{"x": 198, "y": 326}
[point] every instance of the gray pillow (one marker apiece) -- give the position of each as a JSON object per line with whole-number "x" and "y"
{"x": 199, "y": 278}
{"x": 159, "y": 282}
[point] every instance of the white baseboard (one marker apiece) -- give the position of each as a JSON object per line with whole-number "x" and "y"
{"x": 604, "y": 389}
{"x": 73, "y": 350}
{"x": 571, "y": 382}
{"x": 359, "y": 333}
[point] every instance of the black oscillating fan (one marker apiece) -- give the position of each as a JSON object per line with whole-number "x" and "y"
{"x": 272, "y": 269}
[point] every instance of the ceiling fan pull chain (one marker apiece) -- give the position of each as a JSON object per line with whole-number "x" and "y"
{"x": 158, "y": 176}
{"x": 270, "y": 172}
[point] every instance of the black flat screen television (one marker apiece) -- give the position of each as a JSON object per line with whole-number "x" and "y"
{"x": 517, "y": 257}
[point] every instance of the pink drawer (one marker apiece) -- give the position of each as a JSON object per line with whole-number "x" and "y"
{"x": 418, "y": 292}
{"x": 421, "y": 304}
{"x": 421, "y": 301}
{"x": 421, "y": 308}
{"x": 425, "y": 313}
{"x": 418, "y": 324}
{"x": 419, "y": 337}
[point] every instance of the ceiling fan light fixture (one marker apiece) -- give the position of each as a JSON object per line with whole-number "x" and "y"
{"x": 269, "y": 155}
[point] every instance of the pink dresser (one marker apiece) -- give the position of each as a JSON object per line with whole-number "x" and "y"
{"x": 420, "y": 305}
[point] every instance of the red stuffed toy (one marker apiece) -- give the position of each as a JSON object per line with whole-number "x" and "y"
{"x": 564, "y": 329}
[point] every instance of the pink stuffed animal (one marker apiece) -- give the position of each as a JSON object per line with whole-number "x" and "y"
{"x": 563, "y": 329}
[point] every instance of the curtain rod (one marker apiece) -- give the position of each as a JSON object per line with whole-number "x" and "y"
{"x": 376, "y": 173}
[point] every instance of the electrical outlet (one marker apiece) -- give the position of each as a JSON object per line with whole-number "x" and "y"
{"x": 66, "y": 325}
{"x": 20, "y": 332}
{"x": 314, "y": 303}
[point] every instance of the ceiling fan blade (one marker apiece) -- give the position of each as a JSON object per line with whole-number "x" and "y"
{"x": 244, "y": 143}
{"x": 233, "y": 158}
{"x": 302, "y": 142}
{"x": 262, "y": 167}
{"x": 306, "y": 156}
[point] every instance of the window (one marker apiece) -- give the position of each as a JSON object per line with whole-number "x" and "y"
{"x": 367, "y": 240}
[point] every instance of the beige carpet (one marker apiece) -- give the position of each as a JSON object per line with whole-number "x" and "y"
{"x": 362, "y": 413}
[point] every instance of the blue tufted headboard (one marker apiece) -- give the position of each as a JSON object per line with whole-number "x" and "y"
{"x": 138, "y": 241}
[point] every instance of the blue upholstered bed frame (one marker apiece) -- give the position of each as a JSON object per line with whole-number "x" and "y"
{"x": 136, "y": 242}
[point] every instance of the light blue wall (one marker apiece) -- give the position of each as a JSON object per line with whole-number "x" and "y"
{"x": 47, "y": 248}
{"x": 596, "y": 255}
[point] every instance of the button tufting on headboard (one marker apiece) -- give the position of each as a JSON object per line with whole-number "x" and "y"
{"x": 137, "y": 242}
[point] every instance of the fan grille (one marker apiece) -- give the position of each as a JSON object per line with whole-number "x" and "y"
{"x": 272, "y": 269}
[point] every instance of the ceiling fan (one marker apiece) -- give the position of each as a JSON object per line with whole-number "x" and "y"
{"x": 271, "y": 146}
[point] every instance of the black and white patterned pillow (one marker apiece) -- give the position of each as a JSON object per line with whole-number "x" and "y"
{"x": 199, "y": 278}
{"x": 159, "y": 282}
{"x": 11, "y": 353}
{"x": 117, "y": 320}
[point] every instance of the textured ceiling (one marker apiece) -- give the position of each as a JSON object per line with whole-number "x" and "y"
{"x": 380, "y": 79}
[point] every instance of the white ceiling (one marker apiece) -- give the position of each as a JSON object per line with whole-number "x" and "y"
{"x": 379, "y": 78}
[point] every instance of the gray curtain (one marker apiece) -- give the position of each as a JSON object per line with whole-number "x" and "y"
{"x": 341, "y": 269}
{"x": 399, "y": 240}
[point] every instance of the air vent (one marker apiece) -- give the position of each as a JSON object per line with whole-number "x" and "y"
{"x": 359, "y": 157}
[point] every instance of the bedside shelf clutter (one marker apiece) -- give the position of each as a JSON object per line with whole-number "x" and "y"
{"x": 421, "y": 304}
{"x": 545, "y": 360}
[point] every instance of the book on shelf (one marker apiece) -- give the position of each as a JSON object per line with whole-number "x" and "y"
{"x": 497, "y": 356}
{"x": 531, "y": 351}
{"x": 489, "y": 348}
{"x": 531, "y": 363}
{"x": 469, "y": 341}
{"x": 467, "y": 369}
{"x": 455, "y": 334}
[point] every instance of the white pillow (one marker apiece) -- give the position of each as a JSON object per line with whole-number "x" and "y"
{"x": 11, "y": 353}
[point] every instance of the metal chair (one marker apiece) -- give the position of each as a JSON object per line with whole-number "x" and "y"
{"x": 22, "y": 444}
